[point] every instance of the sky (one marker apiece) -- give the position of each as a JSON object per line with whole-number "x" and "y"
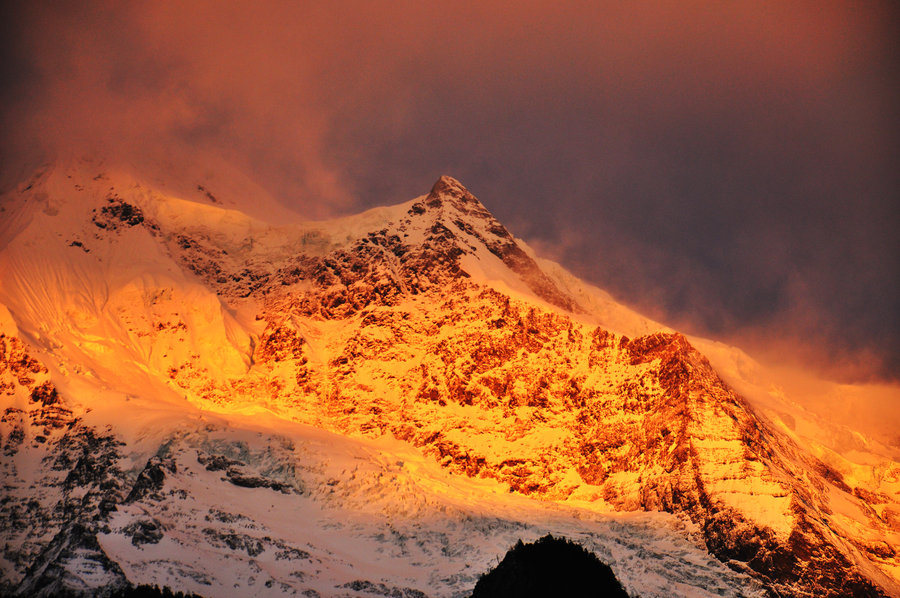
{"x": 729, "y": 168}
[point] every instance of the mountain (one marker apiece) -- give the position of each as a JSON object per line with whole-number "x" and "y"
{"x": 204, "y": 391}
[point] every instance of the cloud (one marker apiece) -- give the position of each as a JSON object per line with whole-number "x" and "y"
{"x": 152, "y": 77}
{"x": 727, "y": 166}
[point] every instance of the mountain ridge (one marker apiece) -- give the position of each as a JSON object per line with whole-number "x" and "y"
{"x": 429, "y": 323}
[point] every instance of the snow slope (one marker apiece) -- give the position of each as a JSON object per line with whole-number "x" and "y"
{"x": 341, "y": 406}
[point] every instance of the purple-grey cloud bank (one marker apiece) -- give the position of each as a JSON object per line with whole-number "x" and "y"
{"x": 728, "y": 167}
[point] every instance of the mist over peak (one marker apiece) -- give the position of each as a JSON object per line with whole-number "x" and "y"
{"x": 729, "y": 168}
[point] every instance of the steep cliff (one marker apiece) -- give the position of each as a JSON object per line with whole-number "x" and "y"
{"x": 425, "y": 325}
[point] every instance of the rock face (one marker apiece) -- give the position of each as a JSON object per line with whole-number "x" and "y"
{"x": 52, "y": 510}
{"x": 435, "y": 327}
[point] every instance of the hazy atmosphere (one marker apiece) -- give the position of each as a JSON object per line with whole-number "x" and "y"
{"x": 727, "y": 168}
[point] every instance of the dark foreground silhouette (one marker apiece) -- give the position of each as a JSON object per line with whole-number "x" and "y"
{"x": 130, "y": 591}
{"x": 549, "y": 567}
{"x": 145, "y": 591}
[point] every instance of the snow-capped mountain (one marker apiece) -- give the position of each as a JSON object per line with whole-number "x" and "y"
{"x": 203, "y": 390}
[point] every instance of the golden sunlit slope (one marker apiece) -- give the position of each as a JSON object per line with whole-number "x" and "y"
{"x": 426, "y": 323}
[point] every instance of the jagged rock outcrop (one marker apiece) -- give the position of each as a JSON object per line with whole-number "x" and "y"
{"x": 51, "y": 515}
{"x": 428, "y": 323}
{"x": 495, "y": 387}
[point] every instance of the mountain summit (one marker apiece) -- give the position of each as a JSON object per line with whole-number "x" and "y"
{"x": 380, "y": 405}
{"x": 447, "y": 186}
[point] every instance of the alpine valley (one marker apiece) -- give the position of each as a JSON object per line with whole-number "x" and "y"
{"x": 201, "y": 390}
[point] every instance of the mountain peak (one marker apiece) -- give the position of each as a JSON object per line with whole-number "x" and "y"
{"x": 448, "y": 185}
{"x": 447, "y": 188}
{"x": 450, "y": 204}
{"x": 426, "y": 323}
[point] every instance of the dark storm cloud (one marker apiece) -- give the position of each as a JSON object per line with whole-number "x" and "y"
{"x": 727, "y": 167}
